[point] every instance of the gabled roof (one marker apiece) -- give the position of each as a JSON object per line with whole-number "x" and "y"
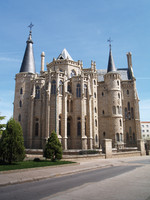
{"x": 28, "y": 64}
{"x": 111, "y": 65}
{"x": 64, "y": 55}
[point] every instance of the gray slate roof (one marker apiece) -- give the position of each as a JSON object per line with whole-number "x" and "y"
{"x": 123, "y": 72}
{"x": 28, "y": 64}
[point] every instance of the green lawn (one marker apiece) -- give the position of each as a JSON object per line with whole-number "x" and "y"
{"x": 31, "y": 164}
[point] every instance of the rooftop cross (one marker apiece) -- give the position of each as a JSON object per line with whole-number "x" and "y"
{"x": 110, "y": 41}
{"x": 30, "y": 26}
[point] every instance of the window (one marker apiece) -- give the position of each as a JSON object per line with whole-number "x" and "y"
{"x": 147, "y": 126}
{"x": 127, "y": 92}
{"x": 69, "y": 87}
{"x": 68, "y": 126}
{"x": 147, "y": 130}
{"x": 71, "y": 106}
{"x": 104, "y": 134}
{"x": 20, "y": 103}
{"x": 59, "y": 125}
{"x": 19, "y": 118}
{"x": 128, "y": 106}
{"x": 21, "y": 91}
{"x": 96, "y": 139}
{"x": 117, "y": 137}
{"x": 78, "y": 126}
{"x": 53, "y": 87}
{"x": 126, "y": 113}
{"x": 94, "y": 94}
{"x": 120, "y": 122}
{"x": 73, "y": 73}
{"x": 143, "y": 135}
{"x": 120, "y": 136}
{"x": 102, "y": 94}
{"x": 143, "y": 131}
{"x": 36, "y": 128}
{"x": 132, "y": 113}
{"x": 103, "y": 112}
{"x": 61, "y": 87}
{"x": 37, "y": 92}
{"x": 147, "y": 135}
{"x": 127, "y": 137}
{"x": 134, "y": 137}
{"x": 67, "y": 105}
{"x": 114, "y": 110}
{"x": 95, "y": 110}
{"x": 94, "y": 82}
{"x": 119, "y": 95}
{"x": 78, "y": 90}
{"x": 117, "y": 82}
{"x": 85, "y": 90}
{"x": 85, "y": 125}
{"x": 118, "y": 110}
{"x": 96, "y": 122}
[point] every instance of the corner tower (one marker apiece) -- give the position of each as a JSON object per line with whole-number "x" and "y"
{"x": 112, "y": 115}
{"x": 23, "y": 88}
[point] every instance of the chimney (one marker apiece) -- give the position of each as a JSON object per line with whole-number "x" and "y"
{"x": 129, "y": 59}
{"x": 42, "y": 61}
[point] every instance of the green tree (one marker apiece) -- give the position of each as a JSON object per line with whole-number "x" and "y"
{"x": 2, "y": 126}
{"x": 53, "y": 148}
{"x": 12, "y": 143}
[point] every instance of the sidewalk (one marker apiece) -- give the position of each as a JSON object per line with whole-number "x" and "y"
{"x": 83, "y": 164}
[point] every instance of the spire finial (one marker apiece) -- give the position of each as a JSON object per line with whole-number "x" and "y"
{"x": 30, "y": 26}
{"x": 110, "y": 41}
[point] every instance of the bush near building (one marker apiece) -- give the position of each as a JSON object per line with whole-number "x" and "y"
{"x": 53, "y": 148}
{"x": 12, "y": 143}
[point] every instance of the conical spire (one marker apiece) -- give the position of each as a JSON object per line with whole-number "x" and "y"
{"x": 28, "y": 64}
{"x": 111, "y": 65}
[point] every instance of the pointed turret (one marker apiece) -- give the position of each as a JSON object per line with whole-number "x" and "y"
{"x": 28, "y": 64}
{"x": 64, "y": 55}
{"x": 111, "y": 65}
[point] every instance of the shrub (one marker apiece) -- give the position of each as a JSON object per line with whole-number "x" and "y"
{"x": 53, "y": 148}
{"x": 12, "y": 143}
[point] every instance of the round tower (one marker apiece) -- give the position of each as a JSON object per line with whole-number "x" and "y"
{"x": 114, "y": 119}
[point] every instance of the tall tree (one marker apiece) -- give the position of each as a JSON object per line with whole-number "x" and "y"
{"x": 53, "y": 148}
{"x": 12, "y": 143}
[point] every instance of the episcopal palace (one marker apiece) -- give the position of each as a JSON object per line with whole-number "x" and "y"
{"x": 83, "y": 105}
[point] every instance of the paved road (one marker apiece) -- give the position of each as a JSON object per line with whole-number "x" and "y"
{"x": 98, "y": 184}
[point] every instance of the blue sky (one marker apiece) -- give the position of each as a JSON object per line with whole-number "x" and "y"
{"x": 83, "y": 28}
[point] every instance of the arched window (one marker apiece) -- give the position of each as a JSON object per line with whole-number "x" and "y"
{"x": 96, "y": 122}
{"x": 78, "y": 90}
{"x": 120, "y": 122}
{"x": 67, "y": 105}
{"x": 102, "y": 94}
{"x": 94, "y": 82}
{"x": 127, "y": 92}
{"x": 94, "y": 94}
{"x": 61, "y": 87}
{"x": 21, "y": 91}
{"x": 36, "y": 128}
{"x": 96, "y": 139}
{"x": 20, "y": 103}
{"x": 37, "y": 92}
{"x": 119, "y": 95}
{"x": 132, "y": 113}
{"x": 95, "y": 110}
{"x": 19, "y": 118}
{"x": 68, "y": 126}
{"x": 73, "y": 73}
{"x": 114, "y": 110}
{"x": 127, "y": 137}
{"x": 85, "y": 90}
{"x": 117, "y": 82}
{"x": 120, "y": 136}
{"x": 53, "y": 87}
{"x": 117, "y": 137}
{"x": 104, "y": 134}
{"x": 59, "y": 125}
{"x": 126, "y": 113}
{"x": 71, "y": 106}
{"x": 78, "y": 126}
{"x": 118, "y": 110}
{"x": 134, "y": 139}
{"x": 128, "y": 106}
{"x": 69, "y": 87}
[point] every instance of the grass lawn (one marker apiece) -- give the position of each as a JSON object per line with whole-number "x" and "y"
{"x": 31, "y": 164}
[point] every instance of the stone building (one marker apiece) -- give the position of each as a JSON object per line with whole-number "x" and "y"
{"x": 145, "y": 130}
{"x": 84, "y": 106}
